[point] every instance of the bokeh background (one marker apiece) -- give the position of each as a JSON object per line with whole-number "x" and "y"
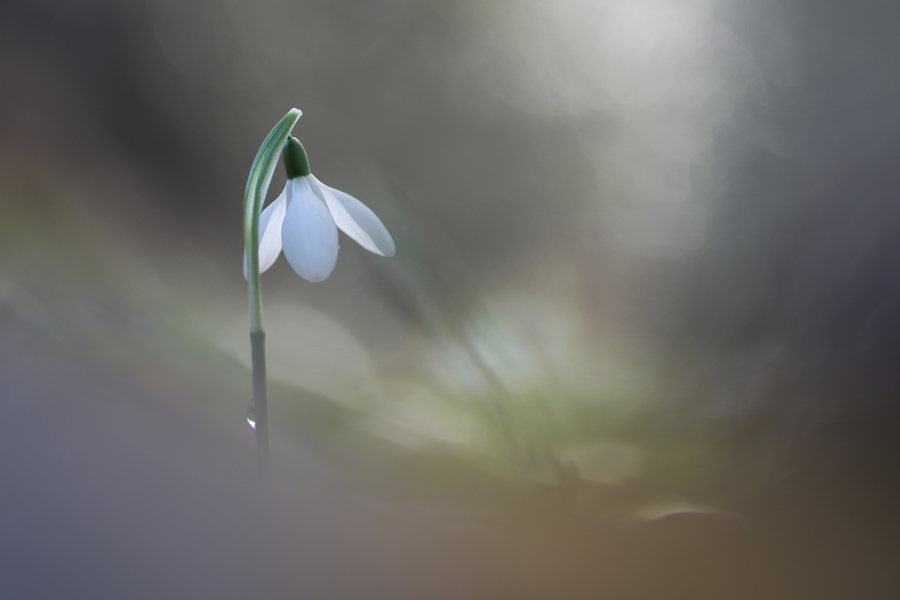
{"x": 640, "y": 339}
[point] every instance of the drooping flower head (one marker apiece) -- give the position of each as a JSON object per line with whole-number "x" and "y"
{"x": 304, "y": 219}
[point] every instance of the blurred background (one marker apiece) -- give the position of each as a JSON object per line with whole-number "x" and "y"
{"x": 640, "y": 338}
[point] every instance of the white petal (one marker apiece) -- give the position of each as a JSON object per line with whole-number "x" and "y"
{"x": 308, "y": 234}
{"x": 270, "y": 220}
{"x": 356, "y": 219}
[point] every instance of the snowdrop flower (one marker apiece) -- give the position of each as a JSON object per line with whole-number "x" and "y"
{"x": 304, "y": 219}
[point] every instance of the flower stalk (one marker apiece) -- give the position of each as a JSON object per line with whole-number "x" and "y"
{"x": 254, "y": 195}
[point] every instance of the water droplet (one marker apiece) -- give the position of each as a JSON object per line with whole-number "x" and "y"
{"x": 251, "y": 414}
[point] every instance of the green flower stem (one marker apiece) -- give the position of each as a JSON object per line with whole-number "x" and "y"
{"x": 258, "y": 353}
{"x": 254, "y": 195}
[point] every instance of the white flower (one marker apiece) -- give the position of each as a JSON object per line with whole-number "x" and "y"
{"x": 303, "y": 221}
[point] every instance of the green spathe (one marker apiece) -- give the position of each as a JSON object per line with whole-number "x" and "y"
{"x": 257, "y": 184}
{"x": 296, "y": 163}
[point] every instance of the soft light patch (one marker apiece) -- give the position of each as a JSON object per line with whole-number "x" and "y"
{"x": 310, "y": 350}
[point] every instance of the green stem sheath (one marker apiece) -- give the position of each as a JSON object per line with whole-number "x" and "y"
{"x": 254, "y": 195}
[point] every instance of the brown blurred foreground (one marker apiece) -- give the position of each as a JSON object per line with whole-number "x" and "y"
{"x": 112, "y": 490}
